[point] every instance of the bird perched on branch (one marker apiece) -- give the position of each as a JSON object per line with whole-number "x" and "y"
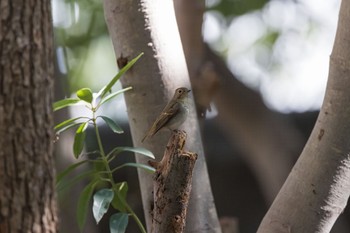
{"x": 174, "y": 113}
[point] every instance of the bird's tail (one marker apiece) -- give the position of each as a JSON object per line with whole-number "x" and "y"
{"x": 144, "y": 138}
{"x": 148, "y": 134}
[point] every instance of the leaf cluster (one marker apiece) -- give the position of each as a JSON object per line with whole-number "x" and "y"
{"x": 101, "y": 175}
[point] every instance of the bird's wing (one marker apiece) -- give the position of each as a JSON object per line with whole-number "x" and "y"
{"x": 168, "y": 112}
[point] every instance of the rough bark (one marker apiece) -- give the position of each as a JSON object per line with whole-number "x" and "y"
{"x": 317, "y": 190}
{"x": 172, "y": 186}
{"x": 27, "y": 195}
{"x": 242, "y": 113}
{"x": 150, "y": 27}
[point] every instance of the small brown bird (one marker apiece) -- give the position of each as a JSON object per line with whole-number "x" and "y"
{"x": 174, "y": 113}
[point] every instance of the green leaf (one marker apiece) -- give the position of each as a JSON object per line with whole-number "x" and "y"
{"x": 85, "y": 94}
{"x": 99, "y": 93}
{"x": 83, "y": 203}
{"x": 137, "y": 165}
{"x": 102, "y": 199}
{"x": 118, "y": 222}
{"x": 137, "y": 150}
{"x": 109, "y": 97}
{"x": 68, "y": 170}
{"x": 65, "y": 103}
{"x": 116, "y": 128}
{"x": 229, "y": 8}
{"x": 99, "y": 167}
{"x": 120, "y": 73}
{"x": 119, "y": 199}
{"x": 79, "y": 139}
{"x": 63, "y": 184}
{"x": 67, "y": 124}
{"x": 68, "y": 127}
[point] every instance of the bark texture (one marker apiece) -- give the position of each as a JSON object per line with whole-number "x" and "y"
{"x": 27, "y": 195}
{"x": 149, "y": 26}
{"x": 172, "y": 186}
{"x": 317, "y": 190}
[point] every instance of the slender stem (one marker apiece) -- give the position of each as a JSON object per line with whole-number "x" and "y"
{"x": 110, "y": 176}
{"x": 99, "y": 142}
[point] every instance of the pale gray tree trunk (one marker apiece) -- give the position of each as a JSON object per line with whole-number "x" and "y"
{"x": 317, "y": 190}
{"x": 150, "y": 27}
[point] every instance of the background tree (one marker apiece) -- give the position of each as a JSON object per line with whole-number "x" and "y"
{"x": 317, "y": 190}
{"x": 27, "y": 195}
{"x": 242, "y": 113}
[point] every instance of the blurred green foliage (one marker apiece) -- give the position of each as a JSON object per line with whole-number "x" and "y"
{"x": 80, "y": 29}
{"x": 257, "y": 38}
{"x": 232, "y": 8}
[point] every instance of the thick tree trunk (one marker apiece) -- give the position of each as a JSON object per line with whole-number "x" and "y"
{"x": 149, "y": 26}
{"x": 317, "y": 190}
{"x": 27, "y": 195}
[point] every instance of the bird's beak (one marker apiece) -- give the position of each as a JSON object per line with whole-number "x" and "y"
{"x": 188, "y": 91}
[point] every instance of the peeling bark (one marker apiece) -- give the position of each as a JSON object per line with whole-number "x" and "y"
{"x": 172, "y": 186}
